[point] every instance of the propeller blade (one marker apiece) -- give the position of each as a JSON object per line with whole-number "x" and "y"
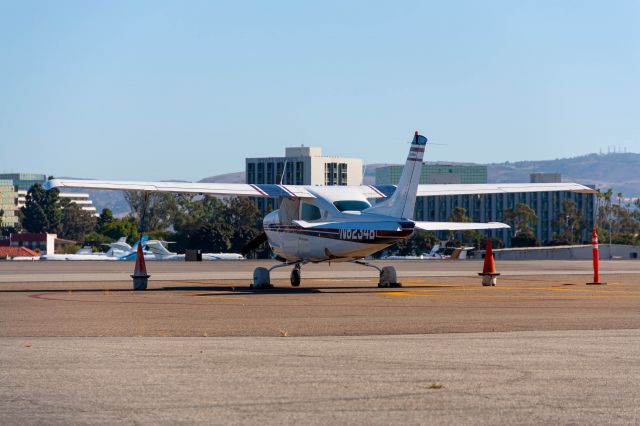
{"x": 253, "y": 244}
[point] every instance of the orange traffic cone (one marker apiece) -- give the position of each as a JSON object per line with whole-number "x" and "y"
{"x": 140, "y": 276}
{"x": 596, "y": 260}
{"x": 489, "y": 273}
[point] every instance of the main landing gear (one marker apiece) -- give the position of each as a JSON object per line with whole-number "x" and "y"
{"x": 262, "y": 276}
{"x": 296, "y": 275}
{"x": 388, "y": 276}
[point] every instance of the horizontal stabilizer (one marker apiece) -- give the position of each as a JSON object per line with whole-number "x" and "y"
{"x": 459, "y": 226}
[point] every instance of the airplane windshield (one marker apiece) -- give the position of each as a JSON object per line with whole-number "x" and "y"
{"x": 351, "y": 205}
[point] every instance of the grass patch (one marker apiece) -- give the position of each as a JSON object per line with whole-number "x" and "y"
{"x": 434, "y": 386}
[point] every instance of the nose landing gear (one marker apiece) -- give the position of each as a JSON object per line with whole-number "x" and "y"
{"x": 262, "y": 276}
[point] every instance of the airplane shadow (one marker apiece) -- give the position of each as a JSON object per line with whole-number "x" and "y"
{"x": 227, "y": 290}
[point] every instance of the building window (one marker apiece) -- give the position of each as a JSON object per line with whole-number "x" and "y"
{"x": 299, "y": 173}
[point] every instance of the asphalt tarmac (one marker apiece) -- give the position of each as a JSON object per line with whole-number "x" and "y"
{"x": 78, "y": 346}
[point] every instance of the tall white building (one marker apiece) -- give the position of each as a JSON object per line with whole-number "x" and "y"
{"x": 83, "y": 200}
{"x": 304, "y": 165}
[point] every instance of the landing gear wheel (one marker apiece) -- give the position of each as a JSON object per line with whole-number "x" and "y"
{"x": 296, "y": 276}
{"x": 388, "y": 277}
{"x": 261, "y": 278}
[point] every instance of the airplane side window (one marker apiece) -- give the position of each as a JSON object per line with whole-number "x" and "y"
{"x": 309, "y": 212}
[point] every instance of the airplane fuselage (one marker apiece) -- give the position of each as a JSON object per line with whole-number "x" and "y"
{"x": 345, "y": 243}
{"x": 323, "y": 229}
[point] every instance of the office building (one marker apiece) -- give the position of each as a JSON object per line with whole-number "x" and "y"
{"x": 491, "y": 207}
{"x": 301, "y": 166}
{"x": 545, "y": 178}
{"x": 20, "y": 183}
{"x": 8, "y": 203}
{"x": 436, "y": 173}
{"x": 81, "y": 199}
{"x": 24, "y": 181}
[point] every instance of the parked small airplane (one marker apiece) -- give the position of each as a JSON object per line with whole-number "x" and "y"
{"x": 118, "y": 250}
{"x": 160, "y": 252}
{"x": 335, "y": 223}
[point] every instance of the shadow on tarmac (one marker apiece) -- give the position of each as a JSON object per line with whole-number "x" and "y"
{"x": 230, "y": 290}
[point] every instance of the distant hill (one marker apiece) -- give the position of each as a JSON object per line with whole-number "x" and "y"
{"x": 237, "y": 177}
{"x": 113, "y": 200}
{"x": 620, "y": 171}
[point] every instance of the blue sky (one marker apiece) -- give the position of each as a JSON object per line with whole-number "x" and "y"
{"x": 157, "y": 90}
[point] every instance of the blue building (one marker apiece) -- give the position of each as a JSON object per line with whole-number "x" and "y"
{"x": 548, "y": 206}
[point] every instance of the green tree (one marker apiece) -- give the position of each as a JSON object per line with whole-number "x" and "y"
{"x": 242, "y": 215}
{"x": 212, "y": 225}
{"x": 496, "y": 243}
{"x": 106, "y": 217}
{"x": 158, "y": 209}
{"x": 626, "y": 222}
{"x": 418, "y": 243}
{"x": 42, "y": 211}
{"x": 570, "y": 222}
{"x": 199, "y": 224}
{"x": 76, "y": 222}
{"x": 459, "y": 214}
{"x": 97, "y": 241}
{"x": 125, "y": 227}
{"x": 522, "y": 220}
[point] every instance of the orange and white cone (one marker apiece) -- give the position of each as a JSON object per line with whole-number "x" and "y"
{"x": 596, "y": 259}
{"x": 489, "y": 274}
{"x": 140, "y": 276}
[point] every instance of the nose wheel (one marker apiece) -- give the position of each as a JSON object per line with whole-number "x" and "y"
{"x": 262, "y": 276}
{"x": 296, "y": 276}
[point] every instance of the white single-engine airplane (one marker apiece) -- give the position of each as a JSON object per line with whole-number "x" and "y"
{"x": 336, "y": 223}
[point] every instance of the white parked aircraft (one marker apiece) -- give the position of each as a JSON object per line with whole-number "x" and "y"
{"x": 335, "y": 223}
{"x": 118, "y": 250}
{"x": 160, "y": 252}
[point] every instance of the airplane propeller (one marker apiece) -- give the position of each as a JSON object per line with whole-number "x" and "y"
{"x": 253, "y": 244}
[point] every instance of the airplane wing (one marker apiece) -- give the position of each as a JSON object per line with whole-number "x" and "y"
{"x": 459, "y": 226}
{"x": 499, "y": 188}
{"x": 236, "y": 189}
{"x": 300, "y": 191}
{"x": 383, "y": 191}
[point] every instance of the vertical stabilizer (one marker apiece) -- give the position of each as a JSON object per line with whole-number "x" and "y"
{"x": 403, "y": 201}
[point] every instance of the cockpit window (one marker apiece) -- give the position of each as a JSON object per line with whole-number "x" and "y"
{"x": 351, "y": 205}
{"x": 309, "y": 212}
